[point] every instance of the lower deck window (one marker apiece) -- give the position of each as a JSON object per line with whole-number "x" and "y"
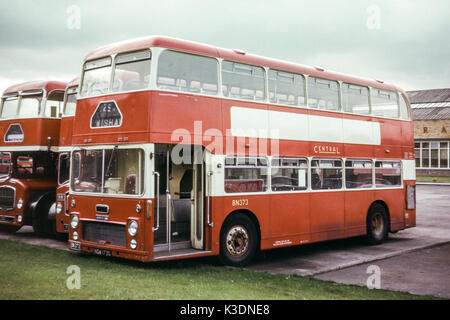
{"x": 388, "y": 173}
{"x": 358, "y": 174}
{"x": 289, "y": 174}
{"x": 245, "y": 174}
{"x": 326, "y": 174}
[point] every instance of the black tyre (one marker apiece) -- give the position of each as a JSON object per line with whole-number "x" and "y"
{"x": 238, "y": 241}
{"x": 377, "y": 224}
{"x": 42, "y": 226}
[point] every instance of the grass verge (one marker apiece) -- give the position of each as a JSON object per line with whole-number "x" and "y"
{"x": 433, "y": 179}
{"x": 36, "y": 272}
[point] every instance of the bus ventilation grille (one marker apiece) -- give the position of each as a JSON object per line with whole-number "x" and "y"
{"x": 114, "y": 234}
{"x": 7, "y": 196}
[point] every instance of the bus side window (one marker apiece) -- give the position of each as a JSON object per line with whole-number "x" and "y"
{"x": 289, "y": 174}
{"x": 286, "y": 88}
{"x": 245, "y": 174}
{"x": 388, "y": 173}
{"x": 355, "y": 99}
{"x": 404, "y": 109}
{"x": 323, "y": 94}
{"x": 187, "y": 72}
{"x": 385, "y": 103}
{"x": 358, "y": 174}
{"x": 243, "y": 81}
{"x": 326, "y": 174}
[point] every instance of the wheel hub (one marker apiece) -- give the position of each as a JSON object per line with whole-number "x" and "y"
{"x": 377, "y": 224}
{"x": 237, "y": 241}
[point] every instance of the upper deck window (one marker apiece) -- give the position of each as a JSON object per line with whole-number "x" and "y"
{"x": 53, "y": 104}
{"x": 96, "y": 77}
{"x": 132, "y": 71}
{"x": 404, "y": 110}
{"x": 384, "y": 103}
{"x": 71, "y": 102}
{"x": 355, "y": 99}
{"x": 286, "y": 88}
{"x": 187, "y": 72}
{"x": 10, "y": 106}
{"x": 30, "y": 106}
{"x": 323, "y": 94}
{"x": 242, "y": 81}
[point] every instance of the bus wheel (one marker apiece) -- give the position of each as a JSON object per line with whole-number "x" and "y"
{"x": 377, "y": 224}
{"x": 42, "y": 226}
{"x": 238, "y": 241}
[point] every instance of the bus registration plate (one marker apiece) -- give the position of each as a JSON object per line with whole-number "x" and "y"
{"x": 102, "y": 252}
{"x": 75, "y": 246}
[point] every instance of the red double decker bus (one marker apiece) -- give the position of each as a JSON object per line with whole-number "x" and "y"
{"x": 183, "y": 150}
{"x": 29, "y": 127}
{"x": 60, "y": 209}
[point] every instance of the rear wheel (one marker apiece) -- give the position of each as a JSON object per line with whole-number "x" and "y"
{"x": 377, "y": 224}
{"x": 238, "y": 241}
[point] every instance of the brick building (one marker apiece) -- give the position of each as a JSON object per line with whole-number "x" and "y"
{"x": 431, "y": 114}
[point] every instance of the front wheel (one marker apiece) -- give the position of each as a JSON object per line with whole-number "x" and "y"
{"x": 377, "y": 224}
{"x": 238, "y": 241}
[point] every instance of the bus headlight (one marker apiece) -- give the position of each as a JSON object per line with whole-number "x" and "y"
{"x": 19, "y": 219}
{"x": 74, "y": 221}
{"x": 20, "y": 203}
{"x": 59, "y": 208}
{"x": 133, "y": 244}
{"x": 75, "y": 235}
{"x": 132, "y": 228}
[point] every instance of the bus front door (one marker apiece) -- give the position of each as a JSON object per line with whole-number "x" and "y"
{"x": 181, "y": 199}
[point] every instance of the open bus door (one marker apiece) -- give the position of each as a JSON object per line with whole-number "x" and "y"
{"x": 179, "y": 219}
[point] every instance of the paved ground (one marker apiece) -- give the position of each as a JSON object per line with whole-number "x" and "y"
{"x": 347, "y": 260}
{"x": 425, "y": 272}
{"x": 25, "y": 234}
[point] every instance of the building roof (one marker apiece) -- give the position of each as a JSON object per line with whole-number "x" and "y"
{"x": 429, "y": 96}
{"x": 431, "y": 113}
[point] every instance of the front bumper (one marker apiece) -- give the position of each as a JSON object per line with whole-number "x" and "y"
{"x": 109, "y": 250}
{"x": 11, "y": 220}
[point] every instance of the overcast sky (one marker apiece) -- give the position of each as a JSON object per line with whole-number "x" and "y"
{"x": 399, "y": 41}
